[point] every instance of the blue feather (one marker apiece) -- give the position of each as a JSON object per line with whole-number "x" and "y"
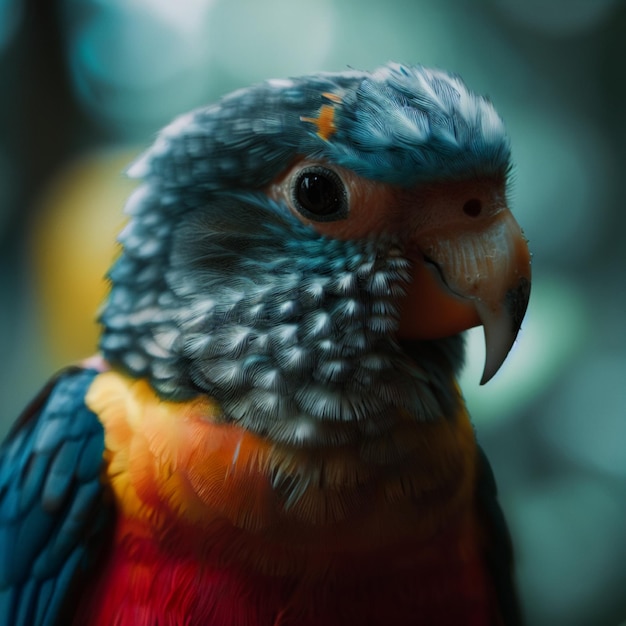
{"x": 51, "y": 507}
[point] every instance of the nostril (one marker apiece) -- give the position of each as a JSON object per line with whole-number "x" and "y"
{"x": 473, "y": 207}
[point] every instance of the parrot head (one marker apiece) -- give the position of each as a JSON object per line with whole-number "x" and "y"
{"x": 307, "y": 251}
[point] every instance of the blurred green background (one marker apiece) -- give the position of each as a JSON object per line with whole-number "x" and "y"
{"x": 85, "y": 84}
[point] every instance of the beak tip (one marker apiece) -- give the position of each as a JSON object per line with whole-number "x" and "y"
{"x": 485, "y": 378}
{"x": 501, "y": 327}
{"x": 493, "y": 362}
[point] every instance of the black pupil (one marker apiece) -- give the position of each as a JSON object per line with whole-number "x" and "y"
{"x": 318, "y": 194}
{"x": 472, "y": 207}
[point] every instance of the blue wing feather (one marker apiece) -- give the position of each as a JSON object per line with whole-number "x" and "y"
{"x": 53, "y": 507}
{"x": 499, "y": 553}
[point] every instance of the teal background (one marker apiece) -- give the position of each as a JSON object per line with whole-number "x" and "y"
{"x": 83, "y": 79}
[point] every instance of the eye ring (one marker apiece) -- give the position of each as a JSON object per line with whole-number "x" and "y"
{"x": 319, "y": 194}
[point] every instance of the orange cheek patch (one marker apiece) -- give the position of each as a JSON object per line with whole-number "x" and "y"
{"x": 430, "y": 311}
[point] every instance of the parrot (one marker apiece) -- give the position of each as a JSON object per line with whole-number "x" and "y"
{"x": 271, "y": 432}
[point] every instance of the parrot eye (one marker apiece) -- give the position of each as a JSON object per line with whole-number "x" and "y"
{"x": 472, "y": 207}
{"x": 320, "y": 195}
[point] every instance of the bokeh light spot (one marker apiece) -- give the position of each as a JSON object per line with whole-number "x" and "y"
{"x": 590, "y": 428}
{"x": 140, "y": 62}
{"x": 561, "y": 167}
{"x": 570, "y": 546}
{"x": 73, "y": 245}
{"x": 275, "y": 39}
{"x": 10, "y": 18}
{"x": 552, "y": 332}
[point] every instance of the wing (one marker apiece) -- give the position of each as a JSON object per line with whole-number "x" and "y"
{"x": 499, "y": 547}
{"x": 52, "y": 507}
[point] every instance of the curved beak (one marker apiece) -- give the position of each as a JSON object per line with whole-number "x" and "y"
{"x": 464, "y": 277}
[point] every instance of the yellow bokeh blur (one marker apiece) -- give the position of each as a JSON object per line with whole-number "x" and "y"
{"x": 72, "y": 246}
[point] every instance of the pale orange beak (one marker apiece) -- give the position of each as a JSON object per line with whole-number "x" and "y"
{"x": 466, "y": 276}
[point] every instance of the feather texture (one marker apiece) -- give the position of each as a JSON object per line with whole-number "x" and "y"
{"x": 250, "y": 531}
{"x": 52, "y": 505}
{"x": 279, "y": 449}
{"x": 217, "y": 285}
